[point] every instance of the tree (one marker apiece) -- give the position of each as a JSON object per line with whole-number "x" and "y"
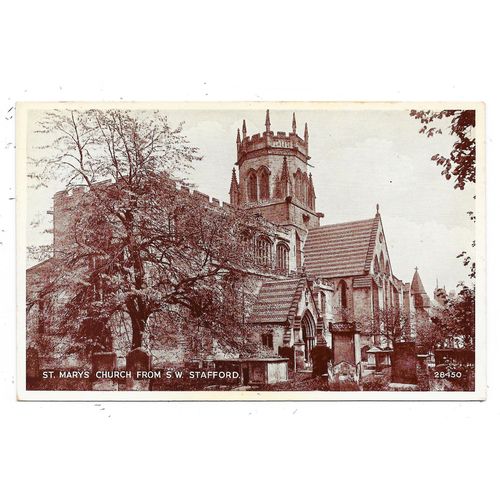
{"x": 138, "y": 245}
{"x": 460, "y": 164}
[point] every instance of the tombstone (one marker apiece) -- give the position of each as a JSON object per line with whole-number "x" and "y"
{"x": 32, "y": 363}
{"x": 320, "y": 356}
{"x": 138, "y": 360}
{"x": 423, "y": 370}
{"x": 342, "y": 372}
{"x": 103, "y": 362}
{"x": 289, "y": 353}
{"x": 299, "y": 349}
{"x": 345, "y": 343}
{"x": 404, "y": 363}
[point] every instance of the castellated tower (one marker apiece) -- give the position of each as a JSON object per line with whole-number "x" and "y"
{"x": 273, "y": 177}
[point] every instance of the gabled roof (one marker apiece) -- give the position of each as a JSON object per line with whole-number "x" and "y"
{"x": 416, "y": 284}
{"x": 341, "y": 249}
{"x": 277, "y": 301}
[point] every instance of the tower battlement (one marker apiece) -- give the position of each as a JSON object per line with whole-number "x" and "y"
{"x": 269, "y": 142}
{"x": 273, "y": 177}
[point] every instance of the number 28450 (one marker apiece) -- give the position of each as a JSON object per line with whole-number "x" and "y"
{"x": 447, "y": 374}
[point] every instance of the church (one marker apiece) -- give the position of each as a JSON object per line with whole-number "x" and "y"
{"x": 339, "y": 282}
{"x": 321, "y": 285}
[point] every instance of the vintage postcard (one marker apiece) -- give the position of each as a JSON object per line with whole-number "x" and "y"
{"x": 251, "y": 251}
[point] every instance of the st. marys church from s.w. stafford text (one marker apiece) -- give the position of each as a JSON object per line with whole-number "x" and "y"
{"x": 335, "y": 279}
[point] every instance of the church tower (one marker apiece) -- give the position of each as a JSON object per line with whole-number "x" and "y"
{"x": 273, "y": 177}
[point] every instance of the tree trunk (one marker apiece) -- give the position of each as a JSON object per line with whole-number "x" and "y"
{"x": 138, "y": 328}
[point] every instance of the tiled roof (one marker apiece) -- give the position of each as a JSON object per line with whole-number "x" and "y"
{"x": 416, "y": 284}
{"x": 277, "y": 301}
{"x": 341, "y": 249}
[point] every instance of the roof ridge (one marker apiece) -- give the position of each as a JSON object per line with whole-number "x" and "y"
{"x": 295, "y": 300}
{"x": 372, "y": 243}
{"x": 342, "y": 224}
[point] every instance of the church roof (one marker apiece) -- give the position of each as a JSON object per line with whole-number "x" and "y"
{"x": 344, "y": 249}
{"x": 416, "y": 284}
{"x": 278, "y": 301}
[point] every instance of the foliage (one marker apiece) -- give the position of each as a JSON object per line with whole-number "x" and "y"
{"x": 460, "y": 164}
{"x": 138, "y": 246}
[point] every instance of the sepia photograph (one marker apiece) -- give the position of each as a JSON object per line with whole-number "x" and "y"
{"x": 250, "y": 250}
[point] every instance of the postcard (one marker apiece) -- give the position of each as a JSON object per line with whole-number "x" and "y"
{"x": 251, "y": 251}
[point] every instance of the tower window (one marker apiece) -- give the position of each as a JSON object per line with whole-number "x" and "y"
{"x": 264, "y": 184}
{"x": 282, "y": 256}
{"x": 252, "y": 187}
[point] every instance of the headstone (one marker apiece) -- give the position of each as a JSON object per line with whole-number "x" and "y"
{"x": 320, "y": 356}
{"x": 138, "y": 361}
{"x": 32, "y": 363}
{"x": 342, "y": 372}
{"x": 289, "y": 353}
{"x": 104, "y": 362}
{"x": 299, "y": 356}
{"x": 404, "y": 363}
{"x": 345, "y": 342}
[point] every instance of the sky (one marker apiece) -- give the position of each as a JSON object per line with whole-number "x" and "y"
{"x": 360, "y": 158}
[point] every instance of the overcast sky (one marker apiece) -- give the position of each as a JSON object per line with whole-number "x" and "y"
{"x": 360, "y": 158}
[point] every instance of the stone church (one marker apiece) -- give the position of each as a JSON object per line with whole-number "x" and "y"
{"x": 340, "y": 279}
{"x": 324, "y": 285}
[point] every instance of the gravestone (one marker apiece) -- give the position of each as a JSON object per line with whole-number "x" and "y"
{"x": 289, "y": 353}
{"x": 138, "y": 360}
{"x": 342, "y": 372}
{"x": 320, "y": 356}
{"x": 404, "y": 363}
{"x": 103, "y": 362}
{"x": 345, "y": 342}
{"x": 299, "y": 349}
{"x": 32, "y": 363}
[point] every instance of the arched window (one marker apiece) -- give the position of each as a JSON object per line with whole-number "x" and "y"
{"x": 264, "y": 184}
{"x": 298, "y": 184}
{"x": 252, "y": 186}
{"x": 305, "y": 187}
{"x": 387, "y": 269}
{"x": 382, "y": 262}
{"x": 264, "y": 247}
{"x": 342, "y": 288}
{"x": 376, "y": 267}
{"x": 282, "y": 257}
